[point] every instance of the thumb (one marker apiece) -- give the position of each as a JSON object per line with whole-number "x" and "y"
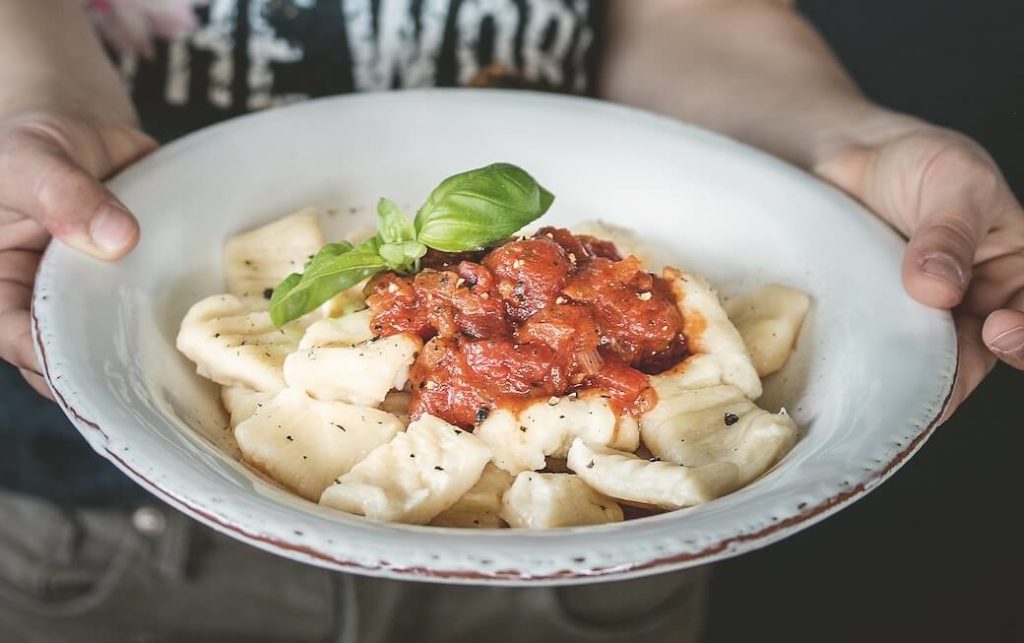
{"x": 39, "y": 180}
{"x": 939, "y": 257}
{"x": 1004, "y": 332}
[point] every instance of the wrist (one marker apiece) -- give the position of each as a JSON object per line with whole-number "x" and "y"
{"x": 840, "y": 153}
{"x": 51, "y": 95}
{"x": 73, "y": 79}
{"x": 856, "y": 132}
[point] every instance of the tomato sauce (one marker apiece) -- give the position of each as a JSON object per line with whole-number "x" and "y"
{"x": 530, "y": 319}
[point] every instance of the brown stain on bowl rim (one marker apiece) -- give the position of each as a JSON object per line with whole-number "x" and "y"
{"x": 61, "y": 400}
{"x": 807, "y": 513}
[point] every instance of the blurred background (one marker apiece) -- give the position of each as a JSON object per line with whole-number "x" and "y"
{"x": 934, "y": 554}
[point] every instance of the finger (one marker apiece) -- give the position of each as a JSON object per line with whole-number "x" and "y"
{"x": 1004, "y": 332}
{"x": 17, "y": 270}
{"x": 37, "y": 382}
{"x": 974, "y": 362}
{"x": 19, "y": 232}
{"x": 125, "y": 145}
{"x": 960, "y": 196}
{"x": 940, "y": 254}
{"x": 37, "y": 178}
{"x": 16, "y": 339}
{"x": 995, "y": 282}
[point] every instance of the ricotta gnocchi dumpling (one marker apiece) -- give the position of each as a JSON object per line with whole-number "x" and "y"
{"x": 523, "y": 438}
{"x": 547, "y": 500}
{"x": 258, "y": 260}
{"x": 718, "y": 354}
{"x": 414, "y": 477}
{"x": 769, "y": 320}
{"x": 241, "y": 402}
{"x": 698, "y": 427}
{"x": 234, "y": 345}
{"x": 361, "y": 374}
{"x": 350, "y": 330}
{"x": 306, "y": 444}
{"x": 667, "y": 485}
{"x": 480, "y": 507}
{"x": 704, "y": 412}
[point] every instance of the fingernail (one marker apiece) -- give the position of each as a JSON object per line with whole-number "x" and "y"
{"x": 1010, "y": 342}
{"x": 942, "y": 265}
{"x": 113, "y": 229}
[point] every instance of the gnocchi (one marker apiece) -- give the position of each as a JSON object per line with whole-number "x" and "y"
{"x": 414, "y": 477}
{"x": 328, "y": 405}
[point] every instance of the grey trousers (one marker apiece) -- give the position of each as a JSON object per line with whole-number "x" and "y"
{"x": 155, "y": 575}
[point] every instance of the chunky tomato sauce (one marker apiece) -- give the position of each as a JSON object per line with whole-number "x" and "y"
{"x": 532, "y": 318}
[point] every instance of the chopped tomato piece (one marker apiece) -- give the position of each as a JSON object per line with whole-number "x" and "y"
{"x": 581, "y": 247}
{"x": 530, "y": 273}
{"x": 636, "y": 314}
{"x": 396, "y": 307}
{"x": 627, "y": 387}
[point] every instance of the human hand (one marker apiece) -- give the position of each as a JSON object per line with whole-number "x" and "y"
{"x": 50, "y": 167}
{"x": 965, "y": 228}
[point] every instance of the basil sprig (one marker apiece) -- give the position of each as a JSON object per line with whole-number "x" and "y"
{"x": 468, "y": 211}
{"x": 471, "y": 210}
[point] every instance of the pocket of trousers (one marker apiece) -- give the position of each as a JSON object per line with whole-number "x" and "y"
{"x": 53, "y": 563}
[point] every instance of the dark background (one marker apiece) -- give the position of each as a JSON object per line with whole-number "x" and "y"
{"x": 935, "y": 553}
{"x": 932, "y": 555}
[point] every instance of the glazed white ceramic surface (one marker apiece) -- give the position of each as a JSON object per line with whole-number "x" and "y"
{"x": 872, "y": 372}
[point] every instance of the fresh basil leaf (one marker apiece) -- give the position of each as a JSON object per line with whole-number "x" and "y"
{"x": 475, "y": 209}
{"x": 326, "y": 275}
{"x": 329, "y": 250}
{"x": 372, "y": 244}
{"x": 326, "y": 252}
{"x": 278, "y": 312}
{"x": 402, "y": 257}
{"x": 393, "y": 225}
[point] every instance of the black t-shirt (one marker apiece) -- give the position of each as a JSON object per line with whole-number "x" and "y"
{"x": 254, "y": 54}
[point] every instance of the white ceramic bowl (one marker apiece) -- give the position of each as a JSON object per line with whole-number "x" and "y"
{"x": 872, "y": 372}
